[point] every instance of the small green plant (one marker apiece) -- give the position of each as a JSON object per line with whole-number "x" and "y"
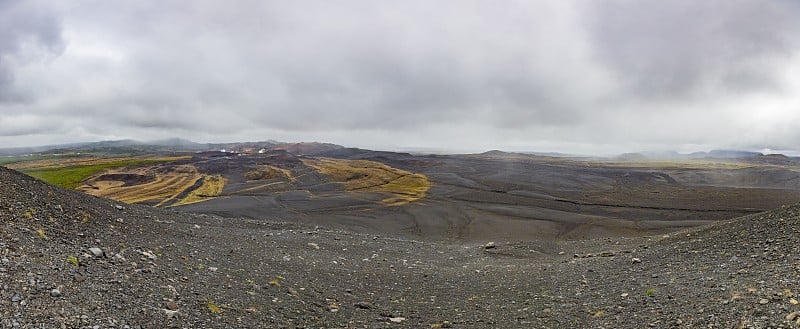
{"x": 41, "y": 233}
{"x": 650, "y": 292}
{"x": 72, "y": 260}
{"x": 214, "y": 308}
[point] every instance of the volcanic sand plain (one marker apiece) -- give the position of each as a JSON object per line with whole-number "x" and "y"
{"x": 457, "y": 198}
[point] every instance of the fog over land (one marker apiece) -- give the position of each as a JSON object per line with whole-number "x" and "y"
{"x": 568, "y": 76}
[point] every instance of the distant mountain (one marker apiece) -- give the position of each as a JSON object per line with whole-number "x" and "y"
{"x": 357, "y": 153}
{"x": 672, "y": 155}
{"x": 496, "y": 153}
{"x": 732, "y": 154}
{"x": 302, "y": 148}
{"x": 774, "y": 159}
{"x": 632, "y": 157}
{"x": 129, "y": 146}
{"x": 176, "y": 142}
{"x": 11, "y": 151}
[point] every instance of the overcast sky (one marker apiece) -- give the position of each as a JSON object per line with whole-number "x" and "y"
{"x": 592, "y": 77}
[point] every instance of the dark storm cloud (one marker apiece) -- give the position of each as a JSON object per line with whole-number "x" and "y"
{"x": 582, "y": 75}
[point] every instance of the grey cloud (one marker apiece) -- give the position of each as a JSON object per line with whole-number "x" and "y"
{"x": 449, "y": 73}
{"x": 24, "y": 23}
{"x": 669, "y": 49}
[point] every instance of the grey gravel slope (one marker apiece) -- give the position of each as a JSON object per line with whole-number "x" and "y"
{"x": 161, "y": 269}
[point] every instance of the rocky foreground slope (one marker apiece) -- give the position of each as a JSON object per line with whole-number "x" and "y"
{"x": 68, "y": 260}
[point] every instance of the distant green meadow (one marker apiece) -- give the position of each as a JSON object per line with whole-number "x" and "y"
{"x": 71, "y": 177}
{"x": 21, "y": 158}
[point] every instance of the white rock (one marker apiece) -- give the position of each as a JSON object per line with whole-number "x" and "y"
{"x": 397, "y": 319}
{"x": 97, "y": 252}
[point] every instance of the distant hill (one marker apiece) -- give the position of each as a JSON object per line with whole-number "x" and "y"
{"x": 633, "y": 157}
{"x": 496, "y": 153}
{"x": 738, "y": 155}
{"x": 12, "y": 151}
{"x": 727, "y": 154}
{"x": 128, "y": 146}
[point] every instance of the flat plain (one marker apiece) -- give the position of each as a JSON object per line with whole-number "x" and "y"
{"x": 456, "y": 198}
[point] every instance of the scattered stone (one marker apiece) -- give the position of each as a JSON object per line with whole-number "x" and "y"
{"x": 363, "y": 305}
{"x": 16, "y": 298}
{"x": 313, "y": 245}
{"x": 119, "y": 207}
{"x": 607, "y": 254}
{"x": 196, "y": 226}
{"x": 55, "y": 293}
{"x": 397, "y": 319}
{"x": 96, "y": 252}
{"x": 763, "y": 301}
{"x": 293, "y": 292}
{"x": 489, "y": 245}
{"x": 171, "y": 305}
{"x": 624, "y": 294}
{"x": 635, "y": 260}
{"x": 149, "y": 255}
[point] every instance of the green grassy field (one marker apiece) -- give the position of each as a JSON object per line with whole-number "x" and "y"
{"x": 22, "y": 158}
{"x": 70, "y": 177}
